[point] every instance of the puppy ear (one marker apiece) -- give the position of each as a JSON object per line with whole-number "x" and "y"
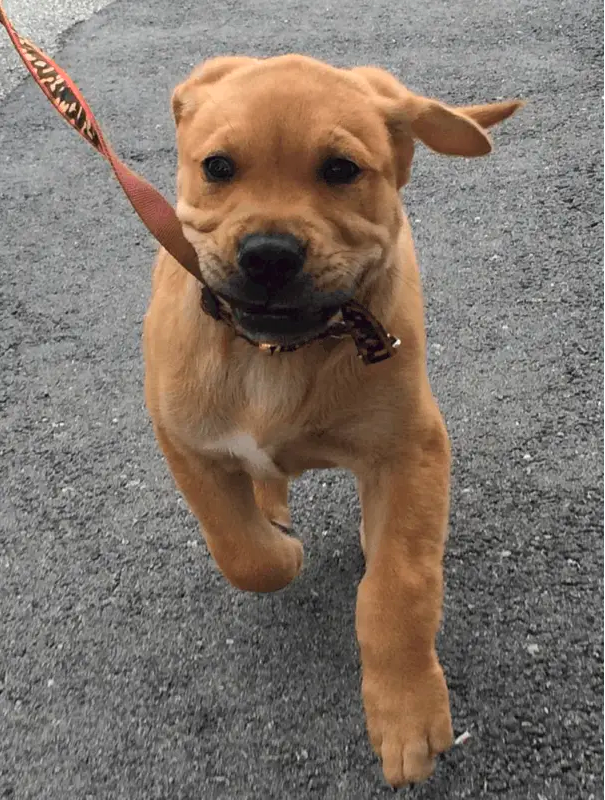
{"x": 447, "y": 130}
{"x": 491, "y": 113}
{"x": 206, "y": 74}
{"x": 459, "y": 131}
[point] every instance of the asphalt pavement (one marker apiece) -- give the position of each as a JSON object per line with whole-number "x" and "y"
{"x": 43, "y": 24}
{"x": 128, "y": 668}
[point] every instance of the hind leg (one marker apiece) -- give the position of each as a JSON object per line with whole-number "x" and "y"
{"x": 272, "y": 499}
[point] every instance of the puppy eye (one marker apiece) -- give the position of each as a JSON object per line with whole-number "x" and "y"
{"x": 218, "y": 168}
{"x": 339, "y": 170}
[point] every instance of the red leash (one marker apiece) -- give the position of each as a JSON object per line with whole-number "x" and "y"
{"x": 155, "y": 212}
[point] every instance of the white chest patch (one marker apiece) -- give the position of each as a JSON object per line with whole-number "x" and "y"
{"x": 244, "y": 447}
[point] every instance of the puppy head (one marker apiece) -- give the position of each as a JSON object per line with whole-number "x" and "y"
{"x": 288, "y": 180}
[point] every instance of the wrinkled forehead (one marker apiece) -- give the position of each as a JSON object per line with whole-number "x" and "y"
{"x": 293, "y": 108}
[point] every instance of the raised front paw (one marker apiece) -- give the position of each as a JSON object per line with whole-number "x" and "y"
{"x": 267, "y": 565}
{"x": 408, "y": 722}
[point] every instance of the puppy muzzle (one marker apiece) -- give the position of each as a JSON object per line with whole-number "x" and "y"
{"x": 271, "y": 302}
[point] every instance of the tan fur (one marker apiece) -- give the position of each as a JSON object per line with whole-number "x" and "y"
{"x": 221, "y": 409}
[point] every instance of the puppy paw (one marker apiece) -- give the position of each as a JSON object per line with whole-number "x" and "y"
{"x": 268, "y": 566}
{"x": 408, "y": 723}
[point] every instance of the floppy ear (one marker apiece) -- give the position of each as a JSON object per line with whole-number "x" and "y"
{"x": 491, "y": 113}
{"x": 205, "y": 74}
{"x": 447, "y": 130}
{"x": 458, "y": 131}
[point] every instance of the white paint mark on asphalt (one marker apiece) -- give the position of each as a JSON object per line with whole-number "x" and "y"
{"x": 43, "y": 24}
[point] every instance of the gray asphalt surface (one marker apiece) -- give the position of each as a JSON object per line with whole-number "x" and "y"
{"x": 42, "y": 23}
{"x": 128, "y": 668}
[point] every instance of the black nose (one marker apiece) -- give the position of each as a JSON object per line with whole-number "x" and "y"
{"x": 271, "y": 259}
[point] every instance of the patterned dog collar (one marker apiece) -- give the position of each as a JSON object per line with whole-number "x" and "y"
{"x": 373, "y": 343}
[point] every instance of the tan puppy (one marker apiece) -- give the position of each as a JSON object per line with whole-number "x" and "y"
{"x": 288, "y": 181}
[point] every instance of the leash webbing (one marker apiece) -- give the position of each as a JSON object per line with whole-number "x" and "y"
{"x": 155, "y": 212}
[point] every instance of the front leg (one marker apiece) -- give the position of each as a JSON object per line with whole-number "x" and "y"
{"x": 405, "y": 509}
{"x": 252, "y": 553}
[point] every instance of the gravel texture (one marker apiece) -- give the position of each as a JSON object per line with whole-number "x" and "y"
{"x": 42, "y": 23}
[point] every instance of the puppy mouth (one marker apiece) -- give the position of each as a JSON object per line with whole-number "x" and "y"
{"x": 281, "y": 326}
{"x": 291, "y": 314}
